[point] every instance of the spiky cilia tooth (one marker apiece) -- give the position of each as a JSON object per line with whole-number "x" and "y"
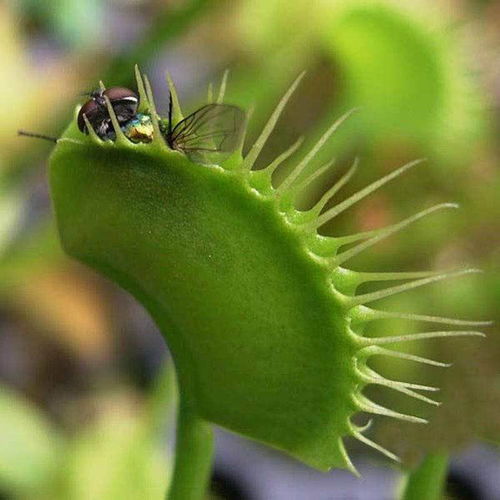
{"x": 356, "y": 197}
{"x": 364, "y": 314}
{"x": 354, "y": 237}
{"x": 353, "y": 279}
{"x": 92, "y": 133}
{"x": 261, "y": 180}
{"x": 237, "y": 156}
{"x": 177, "y": 115}
{"x": 427, "y": 318}
{"x": 393, "y": 339}
{"x": 418, "y": 387}
{"x": 369, "y": 376}
{"x": 323, "y": 246}
{"x": 222, "y": 88}
{"x": 255, "y": 150}
{"x": 348, "y": 463}
{"x": 364, "y": 404}
{"x": 143, "y": 98}
{"x": 385, "y": 233}
{"x": 410, "y": 393}
{"x": 309, "y": 179}
{"x": 373, "y": 375}
{"x": 328, "y": 246}
{"x": 365, "y": 277}
{"x": 320, "y": 204}
{"x": 362, "y": 428}
{"x": 301, "y": 166}
{"x": 210, "y": 93}
{"x": 282, "y": 157}
{"x": 387, "y": 292}
{"x": 390, "y": 384}
{"x": 374, "y": 350}
{"x": 360, "y": 437}
{"x": 346, "y": 280}
{"x": 157, "y": 135}
{"x": 121, "y": 139}
{"x": 288, "y": 199}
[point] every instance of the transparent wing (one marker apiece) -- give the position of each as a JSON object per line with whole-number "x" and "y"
{"x": 210, "y": 134}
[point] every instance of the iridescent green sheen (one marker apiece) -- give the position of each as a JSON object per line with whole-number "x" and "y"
{"x": 139, "y": 128}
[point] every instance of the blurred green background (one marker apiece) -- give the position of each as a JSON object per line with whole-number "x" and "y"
{"x": 84, "y": 401}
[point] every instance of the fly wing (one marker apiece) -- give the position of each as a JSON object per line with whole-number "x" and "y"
{"x": 210, "y": 134}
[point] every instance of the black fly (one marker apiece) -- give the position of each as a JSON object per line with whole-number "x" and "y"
{"x": 207, "y": 136}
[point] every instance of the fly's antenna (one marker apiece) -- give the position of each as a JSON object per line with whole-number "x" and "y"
{"x": 37, "y": 136}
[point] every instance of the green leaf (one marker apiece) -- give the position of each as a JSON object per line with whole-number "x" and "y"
{"x": 262, "y": 318}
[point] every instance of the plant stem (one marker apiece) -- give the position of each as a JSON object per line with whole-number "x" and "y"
{"x": 428, "y": 479}
{"x": 193, "y": 456}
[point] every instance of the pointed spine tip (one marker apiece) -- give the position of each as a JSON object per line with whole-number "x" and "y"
{"x": 375, "y": 350}
{"x": 92, "y": 133}
{"x": 157, "y": 137}
{"x": 255, "y": 150}
{"x": 309, "y": 179}
{"x": 383, "y": 233}
{"x": 347, "y": 461}
{"x": 387, "y": 292}
{"x": 176, "y": 108}
{"x": 366, "y": 277}
{"x": 363, "y": 439}
{"x": 325, "y": 198}
{"x": 420, "y": 336}
{"x": 143, "y": 98}
{"x": 371, "y": 377}
{"x": 270, "y": 169}
{"x": 339, "y": 208}
{"x": 121, "y": 139}
{"x": 222, "y": 88}
{"x": 365, "y": 405}
{"x": 368, "y": 314}
{"x": 210, "y": 93}
{"x": 363, "y": 428}
{"x": 299, "y": 168}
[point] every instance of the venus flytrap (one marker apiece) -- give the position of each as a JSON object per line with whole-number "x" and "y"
{"x": 261, "y": 316}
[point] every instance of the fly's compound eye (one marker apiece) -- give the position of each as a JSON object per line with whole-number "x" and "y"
{"x": 92, "y": 111}
{"x": 124, "y": 101}
{"x": 121, "y": 94}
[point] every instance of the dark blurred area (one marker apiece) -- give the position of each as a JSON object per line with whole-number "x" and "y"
{"x": 86, "y": 387}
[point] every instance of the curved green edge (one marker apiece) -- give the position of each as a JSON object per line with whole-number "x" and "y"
{"x": 263, "y": 322}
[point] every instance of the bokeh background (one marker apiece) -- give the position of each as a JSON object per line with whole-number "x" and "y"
{"x": 86, "y": 389}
